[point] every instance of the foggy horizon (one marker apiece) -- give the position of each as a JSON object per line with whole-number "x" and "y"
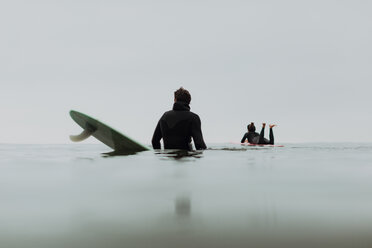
{"x": 304, "y": 66}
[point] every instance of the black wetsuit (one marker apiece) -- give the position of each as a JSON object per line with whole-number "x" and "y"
{"x": 176, "y": 127}
{"x": 255, "y": 138}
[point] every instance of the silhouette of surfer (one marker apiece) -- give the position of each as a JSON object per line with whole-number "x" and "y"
{"x": 255, "y": 138}
{"x": 177, "y": 126}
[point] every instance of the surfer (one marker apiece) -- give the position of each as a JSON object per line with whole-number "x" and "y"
{"x": 177, "y": 126}
{"x": 255, "y": 138}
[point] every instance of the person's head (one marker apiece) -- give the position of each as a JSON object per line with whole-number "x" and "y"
{"x": 182, "y": 95}
{"x": 251, "y": 127}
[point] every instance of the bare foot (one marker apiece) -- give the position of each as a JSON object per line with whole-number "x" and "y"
{"x": 272, "y": 125}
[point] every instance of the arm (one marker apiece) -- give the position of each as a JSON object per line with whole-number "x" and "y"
{"x": 197, "y": 135}
{"x": 244, "y": 138}
{"x": 157, "y": 137}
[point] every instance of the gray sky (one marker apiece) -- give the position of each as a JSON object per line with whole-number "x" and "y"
{"x": 304, "y": 65}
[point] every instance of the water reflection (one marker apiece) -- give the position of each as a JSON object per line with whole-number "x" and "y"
{"x": 182, "y": 206}
{"x": 119, "y": 153}
{"x": 179, "y": 154}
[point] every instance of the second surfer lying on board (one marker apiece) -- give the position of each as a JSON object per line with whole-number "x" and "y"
{"x": 259, "y": 139}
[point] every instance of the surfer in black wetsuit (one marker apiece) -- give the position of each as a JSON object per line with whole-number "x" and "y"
{"x": 177, "y": 126}
{"x": 255, "y": 138}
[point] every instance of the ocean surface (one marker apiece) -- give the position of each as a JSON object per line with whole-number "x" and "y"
{"x": 299, "y": 195}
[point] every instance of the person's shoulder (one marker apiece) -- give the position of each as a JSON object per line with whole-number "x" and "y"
{"x": 164, "y": 115}
{"x": 194, "y": 115}
{"x": 168, "y": 112}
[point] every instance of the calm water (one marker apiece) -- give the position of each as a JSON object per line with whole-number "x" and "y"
{"x": 300, "y": 195}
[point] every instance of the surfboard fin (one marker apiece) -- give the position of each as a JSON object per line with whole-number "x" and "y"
{"x": 80, "y": 137}
{"x": 88, "y": 131}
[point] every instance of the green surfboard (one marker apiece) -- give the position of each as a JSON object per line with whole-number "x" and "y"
{"x": 107, "y": 135}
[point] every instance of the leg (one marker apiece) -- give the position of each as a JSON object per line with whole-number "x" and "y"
{"x": 262, "y": 139}
{"x": 272, "y": 134}
{"x": 271, "y": 137}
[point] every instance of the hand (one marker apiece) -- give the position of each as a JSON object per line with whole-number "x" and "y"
{"x": 263, "y": 124}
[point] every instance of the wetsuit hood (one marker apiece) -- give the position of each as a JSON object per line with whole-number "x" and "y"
{"x": 181, "y": 106}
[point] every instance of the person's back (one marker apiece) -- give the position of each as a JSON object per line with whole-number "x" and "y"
{"x": 177, "y": 126}
{"x": 252, "y": 137}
